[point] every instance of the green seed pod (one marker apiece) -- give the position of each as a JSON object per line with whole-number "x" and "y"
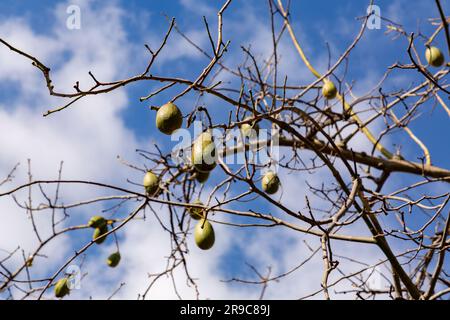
{"x": 61, "y": 288}
{"x": 113, "y": 259}
{"x": 270, "y": 182}
{"x": 204, "y": 154}
{"x": 151, "y": 183}
{"x": 249, "y": 129}
{"x": 196, "y": 213}
{"x": 329, "y": 90}
{"x": 434, "y": 56}
{"x": 204, "y": 234}
{"x": 97, "y": 222}
{"x": 201, "y": 176}
{"x": 99, "y": 232}
{"x": 169, "y": 118}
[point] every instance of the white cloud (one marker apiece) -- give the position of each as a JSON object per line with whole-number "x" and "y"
{"x": 87, "y": 137}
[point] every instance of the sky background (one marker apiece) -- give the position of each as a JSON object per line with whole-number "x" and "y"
{"x": 89, "y": 136}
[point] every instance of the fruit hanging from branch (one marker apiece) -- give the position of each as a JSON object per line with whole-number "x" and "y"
{"x": 434, "y": 56}
{"x": 329, "y": 90}
{"x": 169, "y": 118}
{"x": 201, "y": 176}
{"x": 99, "y": 232}
{"x": 97, "y": 222}
{"x": 270, "y": 182}
{"x": 196, "y": 213}
{"x": 151, "y": 183}
{"x": 113, "y": 259}
{"x": 62, "y": 288}
{"x": 204, "y": 155}
{"x": 204, "y": 234}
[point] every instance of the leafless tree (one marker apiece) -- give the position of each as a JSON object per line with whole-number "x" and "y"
{"x": 312, "y": 133}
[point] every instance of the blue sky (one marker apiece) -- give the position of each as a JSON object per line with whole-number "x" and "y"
{"x": 316, "y": 22}
{"x": 89, "y": 135}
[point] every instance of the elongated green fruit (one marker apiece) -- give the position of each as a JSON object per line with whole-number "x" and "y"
{"x": 204, "y": 155}
{"x": 270, "y": 182}
{"x": 97, "y": 222}
{"x": 434, "y": 56}
{"x": 99, "y": 232}
{"x": 113, "y": 259}
{"x": 168, "y": 118}
{"x": 329, "y": 90}
{"x": 201, "y": 176}
{"x": 61, "y": 288}
{"x": 151, "y": 183}
{"x": 204, "y": 234}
